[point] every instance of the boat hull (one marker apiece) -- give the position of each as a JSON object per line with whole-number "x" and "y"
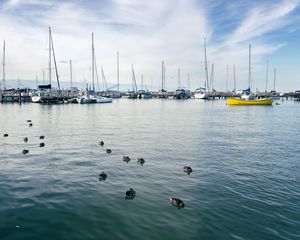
{"x": 242, "y": 102}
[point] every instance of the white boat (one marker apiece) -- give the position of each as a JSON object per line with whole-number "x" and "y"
{"x": 88, "y": 99}
{"x": 36, "y": 99}
{"x": 200, "y": 93}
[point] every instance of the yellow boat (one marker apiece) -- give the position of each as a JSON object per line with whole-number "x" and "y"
{"x": 242, "y": 102}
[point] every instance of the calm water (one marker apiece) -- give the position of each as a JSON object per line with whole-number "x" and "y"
{"x": 245, "y": 182}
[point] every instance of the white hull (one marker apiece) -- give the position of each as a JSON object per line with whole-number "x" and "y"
{"x": 89, "y": 99}
{"x": 36, "y": 99}
{"x": 200, "y": 96}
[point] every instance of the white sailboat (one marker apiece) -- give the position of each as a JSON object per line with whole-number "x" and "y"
{"x": 89, "y": 96}
{"x": 201, "y": 93}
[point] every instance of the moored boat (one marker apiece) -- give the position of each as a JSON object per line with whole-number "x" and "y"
{"x": 243, "y": 102}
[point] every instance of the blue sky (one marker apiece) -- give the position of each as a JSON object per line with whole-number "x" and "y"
{"x": 147, "y": 32}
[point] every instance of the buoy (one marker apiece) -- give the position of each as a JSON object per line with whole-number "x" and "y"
{"x": 141, "y": 161}
{"x": 25, "y": 139}
{"x": 108, "y": 150}
{"x": 101, "y": 143}
{"x": 177, "y": 202}
{"x": 42, "y": 144}
{"x": 42, "y": 137}
{"x": 126, "y": 159}
{"x": 25, "y": 151}
{"x": 5, "y": 135}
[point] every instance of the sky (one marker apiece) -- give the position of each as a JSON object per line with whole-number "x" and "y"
{"x": 148, "y": 32}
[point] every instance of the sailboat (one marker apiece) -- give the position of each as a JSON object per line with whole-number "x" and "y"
{"x": 45, "y": 91}
{"x": 132, "y": 94}
{"x": 201, "y": 93}
{"x": 247, "y": 98}
{"x": 89, "y": 96}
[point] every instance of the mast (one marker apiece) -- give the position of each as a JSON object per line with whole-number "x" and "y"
{"x": 142, "y": 78}
{"x": 103, "y": 78}
{"x": 3, "y": 67}
{"x": 133, "y": 80}
{"x": 189, "y": 83}
{"x": 162, "y": 75}
{"x": 274, "y": 78}
{"x": 118, "y": 71}
{"x": 267, "y": 72}
{"x": 212, "y": 77}
{"x": 93, "y": 63}
{"x": 234, "y": 79}
{"x": 179, "y": 83}
{"x": 71, "y": 75}
{"x": 43, "y": 76}
{"x": 36, "y": 81}
{"x": 205, "y": 61}
{"x": 49, "y": 63}
{"x": 56, "y": 72}
{"x": 249, "y": 66}
{"x": 227, "y": 78}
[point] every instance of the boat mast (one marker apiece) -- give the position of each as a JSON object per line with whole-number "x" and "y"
{"x": 189, "y": 83}
{"x": 179, "y": 83}
{"x": 227, "y": 78}
{"x": 206, "y": 70}
{"x": 49, "y": 63}
{"x": 54, "y": 59}
{"x": 103, "y": 78}
{"x": 162, "y": 75}
{"x": 234, "y": 79}
{"x": 71, "y": 76}
{"x": 274, "y": 78}
{"x": 267, "y": 72}
{"x": 118, "y": 71}
{"x": 142, "y": 78}
{"x": 212, "y": 77}
{"x": 133, "y": 80}
{"x": 3, "y": 67}
{"x": 93, "y": 63}
{"x": 249, "y": 66}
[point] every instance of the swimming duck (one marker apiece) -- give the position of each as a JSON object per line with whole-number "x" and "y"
{"x": 102, "y": 176}
{"x": 177, "y": 202}
{"x": 42, "y": 144}
{"x": 30, "y": 124}
{"x": 187, "y": 169}
{"x": 5, "y": 135}
{"x": 130, "y": 194}
{"x": 101, "y": 143}
{"x": 108, "y": 150}
{"x": 25, "y": 151}
{"x": 141, "y": 161}
{"x": 28, "y": 120}
{"x": 126, "y": 159}
{"x": 42, "y": 137}
{"x": 25, "y": 139}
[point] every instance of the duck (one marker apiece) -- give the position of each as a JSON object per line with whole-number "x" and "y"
{"x": 42, "y": 144}
{"x": 101, "y": 143}
{"x": 126, "y": 159}
{"x": 42, "y": 137}
{"x": 141, "y": 161}
{"x": 130, "y": 194}
{"x": 25, "y": 139}
{"x": 25, "y": 151}
{"x": 30, "y": 124}
{"x": 5, "y": 135}
{"x": 187, "y": 169}
{"x": 177, "y": 202}
{"x": 108, "y": 150}
{"x": 102, "y": 176}
{"x": 28, "y": 120}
